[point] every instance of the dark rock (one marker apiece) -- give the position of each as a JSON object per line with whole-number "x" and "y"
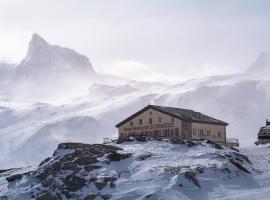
{"x": 243, "y": 157}
{"x": 176, "y": 141}
{"x": 144, "y": 156}
{"x": 114, "y": 156}
{"x": 45, "y": 196}
{"x": 105, "y": 196}
{"x": 92, "y": 179}
{"x": 67, "y": 194}
{"x": 191, "y": 143}
{"x": 121, "y": 140}
{"x": 71, "y": 166}
{"x": 110, "y": 178}
{"x": 14, "y": 177}
{"x": 239, "y": 166}
{"x": 72, "y": 145}
{"x": 235, "y": 149}
{"x": 180, "y": 185}
{"x": 100, "y": 184}
{"x": 141, "y": 138}
{"x": 85, "y": 160}
{"x": 91, "y": 196}
{"x": 56, "y": 166}
{"x": 44, "y": 172}
{"x": 44, "y": 161}
{"x": 148, "y": 196}
{"x": 213, "y": 144}
{"x": 74, "y": 182}
{"x": 89, "y": 168}
{"x": 191, "y": 177}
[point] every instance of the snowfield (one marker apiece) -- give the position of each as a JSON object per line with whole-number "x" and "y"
{"x": 144, "y": 170}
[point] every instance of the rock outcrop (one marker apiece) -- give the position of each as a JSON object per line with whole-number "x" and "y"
{"x": 69, "y": 172}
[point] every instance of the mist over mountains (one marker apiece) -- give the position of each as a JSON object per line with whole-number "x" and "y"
{"x": 54, "y": 95}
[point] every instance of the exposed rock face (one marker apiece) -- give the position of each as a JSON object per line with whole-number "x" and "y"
{"x": 88, "y": 172}
{"x": 70, "y": 171}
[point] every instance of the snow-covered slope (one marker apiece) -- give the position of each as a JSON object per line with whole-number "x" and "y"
{"x": 140, "y": 170}
{"x": 56, "y": 90}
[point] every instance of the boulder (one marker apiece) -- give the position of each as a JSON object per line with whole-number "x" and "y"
{"x": 100, "y": 184}
{"x": 45, "y": 196}
{"x": 14, "y": 177}
{"x": 91, "y": 196}
{"x": 74, "y": 182}
{"x": 239, "y": 166}
{"x": 114, "y": 156}
{"x": 191, "y": 177}
{"x": 105, "y": 196}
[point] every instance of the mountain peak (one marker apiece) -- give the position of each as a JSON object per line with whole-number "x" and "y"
{"x": 261, "y": 64}
{"x": 37, "y": 39}
{"x": 43, "y": 58}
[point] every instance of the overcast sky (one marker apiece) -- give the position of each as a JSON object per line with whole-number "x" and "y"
{"x": 160, "y": 40}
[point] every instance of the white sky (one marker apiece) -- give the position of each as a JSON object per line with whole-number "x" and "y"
{"x": 168, "y": 40}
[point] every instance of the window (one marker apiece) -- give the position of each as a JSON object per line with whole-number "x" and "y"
{"x": 150, "y": 113}
{"x": 208, "y": 133}
{"x": 159, "y": 119}
{"x": 150, "y": 120}
{"x": 219, "y": 134}
{"x": 194, "y": 132}
{"x": 140, "y": 121}
{"x": 131, "y": 123}
{"x": 201, "y": 133}
{"x": 176, "y": 132}
{"x": 172, "y": 119}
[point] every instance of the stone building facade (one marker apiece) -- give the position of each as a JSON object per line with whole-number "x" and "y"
{"x": 166, "y": 122}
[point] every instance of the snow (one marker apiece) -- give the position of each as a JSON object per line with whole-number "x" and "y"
{"x": 63, "y": 99}
{"x": 161, "y": 175}
{"x": 149, "y": 177}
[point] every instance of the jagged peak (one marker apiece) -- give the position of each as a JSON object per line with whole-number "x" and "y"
{"x": 37, "y": 40}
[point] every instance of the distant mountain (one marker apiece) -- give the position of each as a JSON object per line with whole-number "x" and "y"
{"x": 44, "y": 60}
{"x": 261, "y": 64}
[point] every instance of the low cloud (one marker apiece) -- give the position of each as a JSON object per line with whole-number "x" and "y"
{"x": 134, "y": 70}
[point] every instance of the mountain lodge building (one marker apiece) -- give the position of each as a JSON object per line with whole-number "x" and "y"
{"x": 167, "y": 122}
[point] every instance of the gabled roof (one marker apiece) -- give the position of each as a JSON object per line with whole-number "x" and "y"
{"x": 183, "y": 114}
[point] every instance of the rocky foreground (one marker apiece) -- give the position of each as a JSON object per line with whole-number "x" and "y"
{"x": 168, "y": 169}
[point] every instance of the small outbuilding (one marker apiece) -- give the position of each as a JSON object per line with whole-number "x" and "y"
{"x": 264, "y": 134}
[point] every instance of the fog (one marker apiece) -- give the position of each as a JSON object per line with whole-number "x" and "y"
{"x": 175, "y": 39}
